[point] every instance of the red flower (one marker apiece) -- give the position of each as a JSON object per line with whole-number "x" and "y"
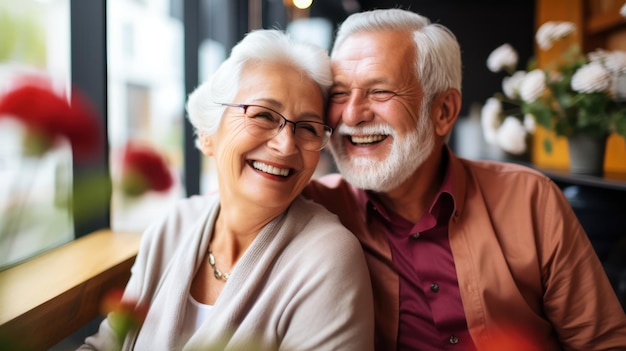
{"x": 144, "y": 169}
{"x": 124, "y": 315}
{"x": 48, "y": 115}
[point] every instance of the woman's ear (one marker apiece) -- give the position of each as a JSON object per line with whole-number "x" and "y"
{"x": 445, "y": 111}
{"x": 205, "y": 143}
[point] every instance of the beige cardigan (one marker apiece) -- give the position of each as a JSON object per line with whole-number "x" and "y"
{"x": 302, "y": 284}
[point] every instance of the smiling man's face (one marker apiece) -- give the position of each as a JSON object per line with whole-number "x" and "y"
{"x": 383, "y": 133}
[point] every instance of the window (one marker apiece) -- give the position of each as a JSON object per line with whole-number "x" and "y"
{"x": 35, "y": 192}
{"x": 145, "y": 100}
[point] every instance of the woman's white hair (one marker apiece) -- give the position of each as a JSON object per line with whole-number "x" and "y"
{"x": 438, "y": 55}
{"x": 259, "y": 46}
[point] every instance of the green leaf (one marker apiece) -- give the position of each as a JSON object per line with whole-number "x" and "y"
{"x": 620, "y": 127}
{"x": 91, "y": 195}
{"x": 547, "y": 145}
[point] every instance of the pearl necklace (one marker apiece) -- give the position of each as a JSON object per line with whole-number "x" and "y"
{"x": 216, "y": 272}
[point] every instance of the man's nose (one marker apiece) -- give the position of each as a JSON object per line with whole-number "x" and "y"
{"x": 357, "y": 109}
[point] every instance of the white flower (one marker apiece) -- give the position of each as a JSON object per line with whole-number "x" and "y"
{"x": 490, "y": 119}
{"x": 622, "y": 10}
{"x": 529, "y": 123}
{"x": 591, "y": 78}
{"x": 551, "y": 31}
{"x": 533, "y": 85}
{"x": 502, "y": 58}
{"x": 597, "y": 55}
{"x": 511, "y": 136}
{"x": 511, "y": 85}
{"x": 614, "y": 61}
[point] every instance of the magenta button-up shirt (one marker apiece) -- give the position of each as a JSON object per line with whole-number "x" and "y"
{"x": 431, "y": 311}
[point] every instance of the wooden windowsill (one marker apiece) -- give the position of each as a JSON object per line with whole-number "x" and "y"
{"x": 47, "y": 298}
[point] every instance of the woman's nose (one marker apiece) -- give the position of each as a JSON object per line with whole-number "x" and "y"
{"x": 284, "y": 141}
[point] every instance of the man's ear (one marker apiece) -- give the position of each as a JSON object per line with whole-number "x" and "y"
{"x": 445, "y": 110}
{"x": 205, "y": 143}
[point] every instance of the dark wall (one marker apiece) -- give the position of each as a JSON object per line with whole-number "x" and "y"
{"x": 600, "y": 210}
{"x": 480, "y": 27}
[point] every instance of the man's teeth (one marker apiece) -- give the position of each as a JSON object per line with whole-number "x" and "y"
{"x": 367, "y": 139}
{"x": 283, "y": 172}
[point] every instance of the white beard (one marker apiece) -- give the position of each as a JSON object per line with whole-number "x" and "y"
{"x": 406, "y": 155}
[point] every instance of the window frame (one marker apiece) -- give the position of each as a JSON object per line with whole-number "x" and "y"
{"x": 88, "y": 70}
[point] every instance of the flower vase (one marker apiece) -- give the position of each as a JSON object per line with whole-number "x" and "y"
{"x": 586, "y": 154}
{"x": 521, "y": 158}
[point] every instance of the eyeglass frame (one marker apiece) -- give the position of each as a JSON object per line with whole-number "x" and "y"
{"x": 328, "y": 130}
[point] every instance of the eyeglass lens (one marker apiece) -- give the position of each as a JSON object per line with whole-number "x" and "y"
{"x": 266, "y": 123}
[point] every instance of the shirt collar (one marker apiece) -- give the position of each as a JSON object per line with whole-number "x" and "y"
{"x": 368, "y": 200}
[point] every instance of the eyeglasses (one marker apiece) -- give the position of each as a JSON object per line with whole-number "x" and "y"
{"x": 263, "y": 122}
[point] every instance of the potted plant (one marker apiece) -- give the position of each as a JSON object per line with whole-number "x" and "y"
{"x": 580, "y": 97}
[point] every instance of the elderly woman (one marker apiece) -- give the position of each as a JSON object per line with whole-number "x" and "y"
{"x": 255, "y": 267}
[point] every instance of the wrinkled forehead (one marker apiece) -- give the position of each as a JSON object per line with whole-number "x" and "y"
{"x": 366, "y": 56}
{"x": 279, "y": 80}
{"x": 376, "y": 43}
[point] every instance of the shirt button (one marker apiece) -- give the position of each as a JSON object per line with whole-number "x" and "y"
{"x": 415, "y": 236}
{"x": 434, "y": 287}
{"x": 453, "y": 339}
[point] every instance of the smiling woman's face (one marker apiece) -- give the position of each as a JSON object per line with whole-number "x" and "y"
{"x": 270, "y": 172}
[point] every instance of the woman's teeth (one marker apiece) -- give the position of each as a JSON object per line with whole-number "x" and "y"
{"x": 283, "y": 172}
